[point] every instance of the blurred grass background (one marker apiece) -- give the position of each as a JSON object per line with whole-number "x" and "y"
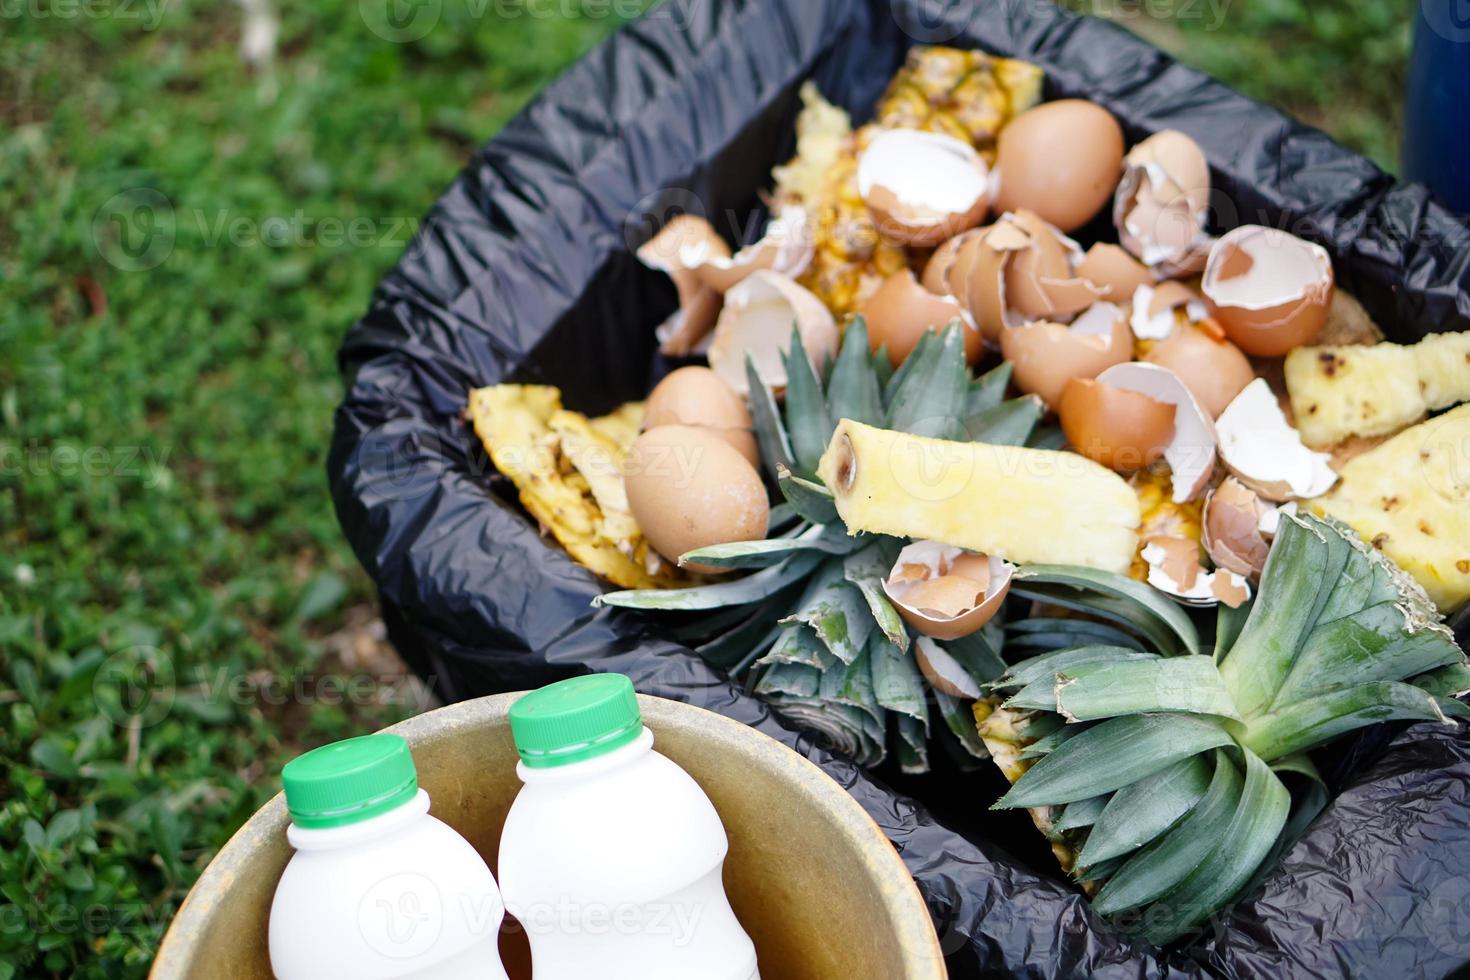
{"x": 165, "y": 531}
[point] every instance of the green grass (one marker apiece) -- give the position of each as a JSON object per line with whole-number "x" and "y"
{"x": 165, "y": 529}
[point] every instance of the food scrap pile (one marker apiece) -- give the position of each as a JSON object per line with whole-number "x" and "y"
{"x": 952, "y": 481}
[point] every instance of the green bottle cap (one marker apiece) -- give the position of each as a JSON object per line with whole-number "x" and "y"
{"x": 574, "y": 720}
{"x": 349, "y": 781}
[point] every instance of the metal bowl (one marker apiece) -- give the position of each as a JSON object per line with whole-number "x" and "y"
{"x": 812, "y": 878}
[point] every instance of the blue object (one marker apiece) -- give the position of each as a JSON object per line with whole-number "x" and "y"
{"x": 1437, "y": 106}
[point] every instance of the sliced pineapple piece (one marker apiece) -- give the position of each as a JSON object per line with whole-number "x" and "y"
{"x": 1443, "y": 364}
{"x": 1337, "y": 392}
{"x": 1024, "y": 505}
{"x": 1410, "y": 498}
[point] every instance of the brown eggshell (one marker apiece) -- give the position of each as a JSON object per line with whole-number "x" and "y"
{"x": 1191, "y": 452}
{"x": 757, "y": 319}
{"x": 1044, "y": 356}
{"x": 1263, "y": 451}
{"x": 696, "y": 396}
{"x": 945, "y": 592}
{"x": 1270, "y": 290}
{"x": 686, "y": 242}
{"x": 922, "y": 187}
{"x": 1033, "y": 272}
{"x": 1060, "y": 160}
{"x": 687, "y": 488}
{"x": 943, "y": 672}
{"x": 1116, "y": 272}
{"x": 1214, "y": 370}
{"x": 786, "y": 248}
{"x": 1122, "y": 430}
{"x": 936, "y": 270}
{"x": 1232, "y": 528}
{"x": 902, "y": 311}
{"x": 1161, "y": 204}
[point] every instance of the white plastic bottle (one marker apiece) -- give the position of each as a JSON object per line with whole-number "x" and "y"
{"x": 377, "y": 888}
{"x": 611, "y": 857}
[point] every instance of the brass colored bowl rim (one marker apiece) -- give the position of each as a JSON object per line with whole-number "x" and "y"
{"x": 917, "y": 940}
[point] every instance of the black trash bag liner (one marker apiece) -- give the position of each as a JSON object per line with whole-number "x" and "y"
{"x": 524, "y": 271}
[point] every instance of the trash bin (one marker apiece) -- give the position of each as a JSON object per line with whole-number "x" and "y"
{"x": 524, "y": 270}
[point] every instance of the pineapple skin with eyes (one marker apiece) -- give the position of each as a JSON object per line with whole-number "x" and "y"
{"x": 1410, "y": 499}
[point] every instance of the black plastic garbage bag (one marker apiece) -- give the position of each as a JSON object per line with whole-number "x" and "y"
{"x": 524, "y": 270}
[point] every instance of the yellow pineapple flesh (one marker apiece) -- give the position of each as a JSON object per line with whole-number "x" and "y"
{"x": 1021, "y": 504}
{"x": 1410, "y": 498}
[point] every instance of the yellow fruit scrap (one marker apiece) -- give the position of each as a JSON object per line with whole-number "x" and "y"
{"x": 1020, "y": 504}
{"x": 1410, "y": 498}
{"x": 1368, "y": 390}
{"x": 568, "y": 471}
{"x": 970, "y": 95}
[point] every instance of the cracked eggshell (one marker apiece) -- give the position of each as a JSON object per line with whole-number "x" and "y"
{"x": 786, "y": 248}
{"x": 946, "y": 592}
{"x": 1191, "y": 452}
{"x": 1271, "y": 290}
{"x": 757, "y": 320}
{"x": 1174, "y": 568}
{"x": 943, "y": 672}
{"x": 901, "y": 311}
{"x": 936, "y": 270}
{"x": 1060, "y": 160}
{"x": 1162, "y": 202}
{"x": 921, "y": 187}
{"x": 686, "y": 242}
{"x": 1154, "y": 309}
{"x": 1232, "y": 532}
{"x": 1265, "y": 453}
{"x": 1044, "y": 356}
{"x": 1122, "y": 430}
{"x": 1039, "y": 280}
{"x": 1114, "y": 271}
{"x": 697, "y": 396}
{"x": 1213, "y": 368}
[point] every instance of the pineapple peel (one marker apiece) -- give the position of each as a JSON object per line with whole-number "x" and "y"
{"x": 1020, "y": 504}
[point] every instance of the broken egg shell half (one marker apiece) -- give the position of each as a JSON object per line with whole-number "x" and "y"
{"x": 1114, "y": 271}
{"x": 937, "y": 268}
{"x": 921, "y": 187}
{"x": 687, "y": 488}
{"x": 1161, "y": 204}
{"x": 1213, "y": 369}
{"x": 697, "y": 396}
{"x": 1044, "y": 356}
{"x": 786, "y": 248}
{"x": 1154, "y": 309}
{"x": 757, "y": 320}
{"x": 1174, "y": 568}
{"x": 1231, "y": 532}
{"x": 1122, "y": 430}
{"x": 901, "y": 311}
{"x": 1271, "y": 291}
{"x": 947, "y": 592}
{"x": 1265, "y": 453}
{"x": 1061, "y": 160}
{"x": 1191, "y": 452}
{"x": 1039, "y": 281}
{"x": 943, "y": 672}
{"x": 686, "y": 242}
